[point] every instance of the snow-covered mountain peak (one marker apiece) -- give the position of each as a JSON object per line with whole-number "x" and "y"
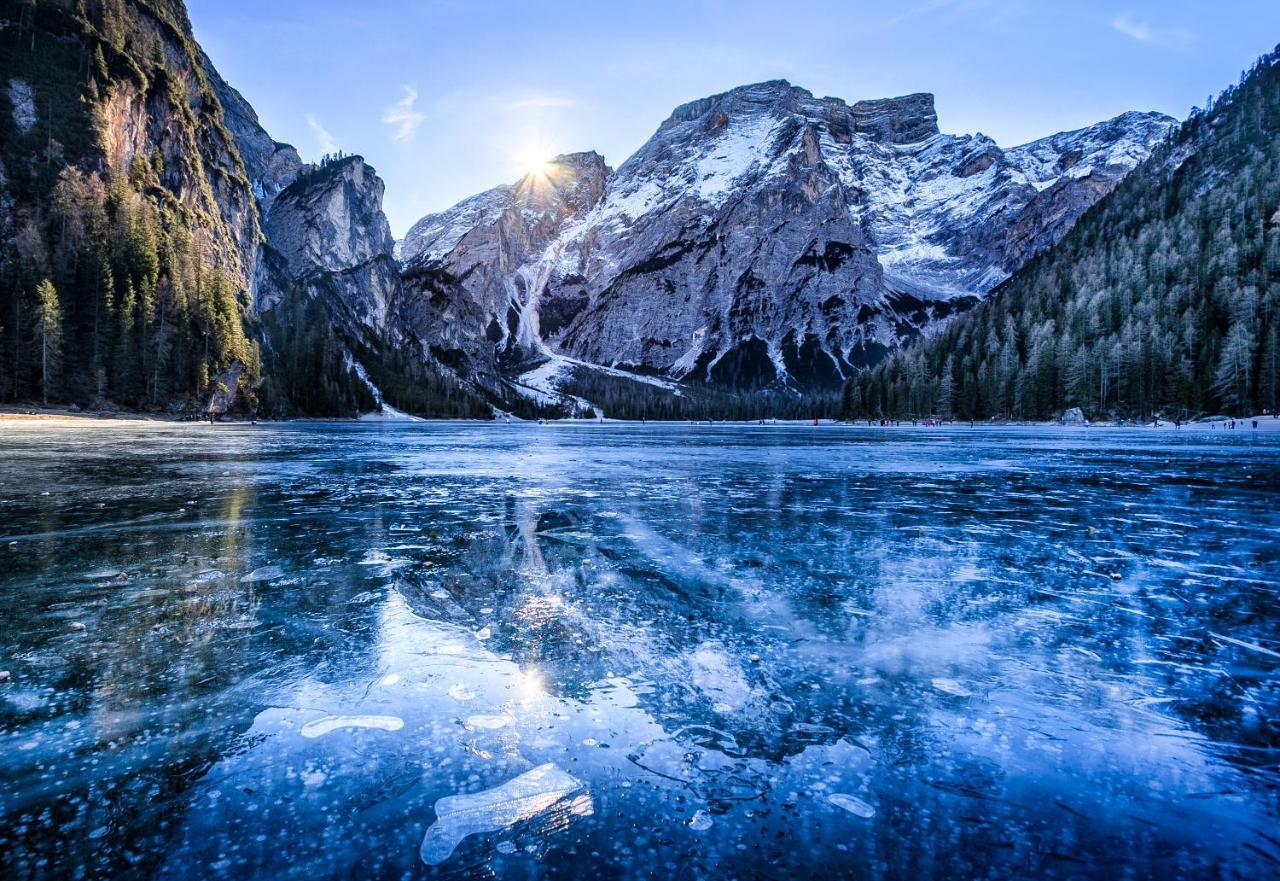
{"x": 903, "y": 120}
{"x": 754, "y": 99}
{"x": 569, "y": 185}
{"x": 763, "y": 234}
{"x": 1121, "y": 142}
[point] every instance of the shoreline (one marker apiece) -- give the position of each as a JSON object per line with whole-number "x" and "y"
{"x": 20, "y": 415}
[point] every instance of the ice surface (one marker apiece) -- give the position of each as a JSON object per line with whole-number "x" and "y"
{"x": 1251, "y": 646}
{"x": 459, "y": 816}
{"x": 745, "y": 626}
{"x": 462, "y": 692}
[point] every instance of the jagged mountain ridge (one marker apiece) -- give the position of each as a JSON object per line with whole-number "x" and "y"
{"x": 328, "y": 254}
{"x": 765, "y": 234}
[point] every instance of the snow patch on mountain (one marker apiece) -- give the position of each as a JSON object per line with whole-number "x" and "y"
{"x": 385, "y": 412}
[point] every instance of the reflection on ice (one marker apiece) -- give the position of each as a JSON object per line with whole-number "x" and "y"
{"x": 713, "y": 673}
{"x": 530, "y": 794}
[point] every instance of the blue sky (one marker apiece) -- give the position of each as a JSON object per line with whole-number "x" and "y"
{"x": 450, "y": 97}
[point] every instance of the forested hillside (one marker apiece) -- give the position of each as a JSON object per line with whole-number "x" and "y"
{"x": 1165, "y": 298}
{"x": 125, "y": 213}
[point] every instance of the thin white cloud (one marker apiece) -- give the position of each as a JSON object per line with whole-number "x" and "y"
{"x": 325, "y": 140}
{"x": 1166, "y": 38}
{"x": 403, "y": 116}
{"x": 938, "y": 8}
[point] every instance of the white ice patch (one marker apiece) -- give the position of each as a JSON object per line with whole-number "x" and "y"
{"x": 701, "y": 821}
{"x": 950, "y": 686}
{"x": 519, "y": 799}
{"x": 329, "y": 724}
{"x": 382, "y": 560}
{"x": 313, "y": 777}
{"x": 852, "y": 804}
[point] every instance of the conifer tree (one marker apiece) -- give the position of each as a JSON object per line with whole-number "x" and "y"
{"x": 48, "y": 336}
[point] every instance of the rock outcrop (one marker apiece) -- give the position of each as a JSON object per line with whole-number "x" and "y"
{"x": 907, "y": 120}
{"x": 329, "y": 229}
{"x": 175, "y": 123}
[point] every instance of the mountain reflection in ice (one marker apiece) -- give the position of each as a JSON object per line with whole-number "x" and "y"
{"x": 611, "y": 651}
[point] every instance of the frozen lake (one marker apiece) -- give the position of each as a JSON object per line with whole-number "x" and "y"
{"x": 611, "y": 651}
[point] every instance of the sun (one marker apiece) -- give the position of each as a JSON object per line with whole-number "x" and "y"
{"x": 534, "y": 165}
{"x": 533, "y": 158}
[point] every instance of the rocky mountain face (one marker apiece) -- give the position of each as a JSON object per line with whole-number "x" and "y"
{"x": 766, "y": 236}
{"x": 269, "y": 165}
{"x": 324, "y": 231}
{"x": 329, "y": 258}
{"x": 143, "y": 97}
{"x": 328, "y": 228}
{"x": 495, "y": 241}
{"x": 125, "y": 200}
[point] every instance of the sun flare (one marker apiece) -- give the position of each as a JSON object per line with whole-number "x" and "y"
{"x": 533, "y": 158}
{"x": 534, "y": 165}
